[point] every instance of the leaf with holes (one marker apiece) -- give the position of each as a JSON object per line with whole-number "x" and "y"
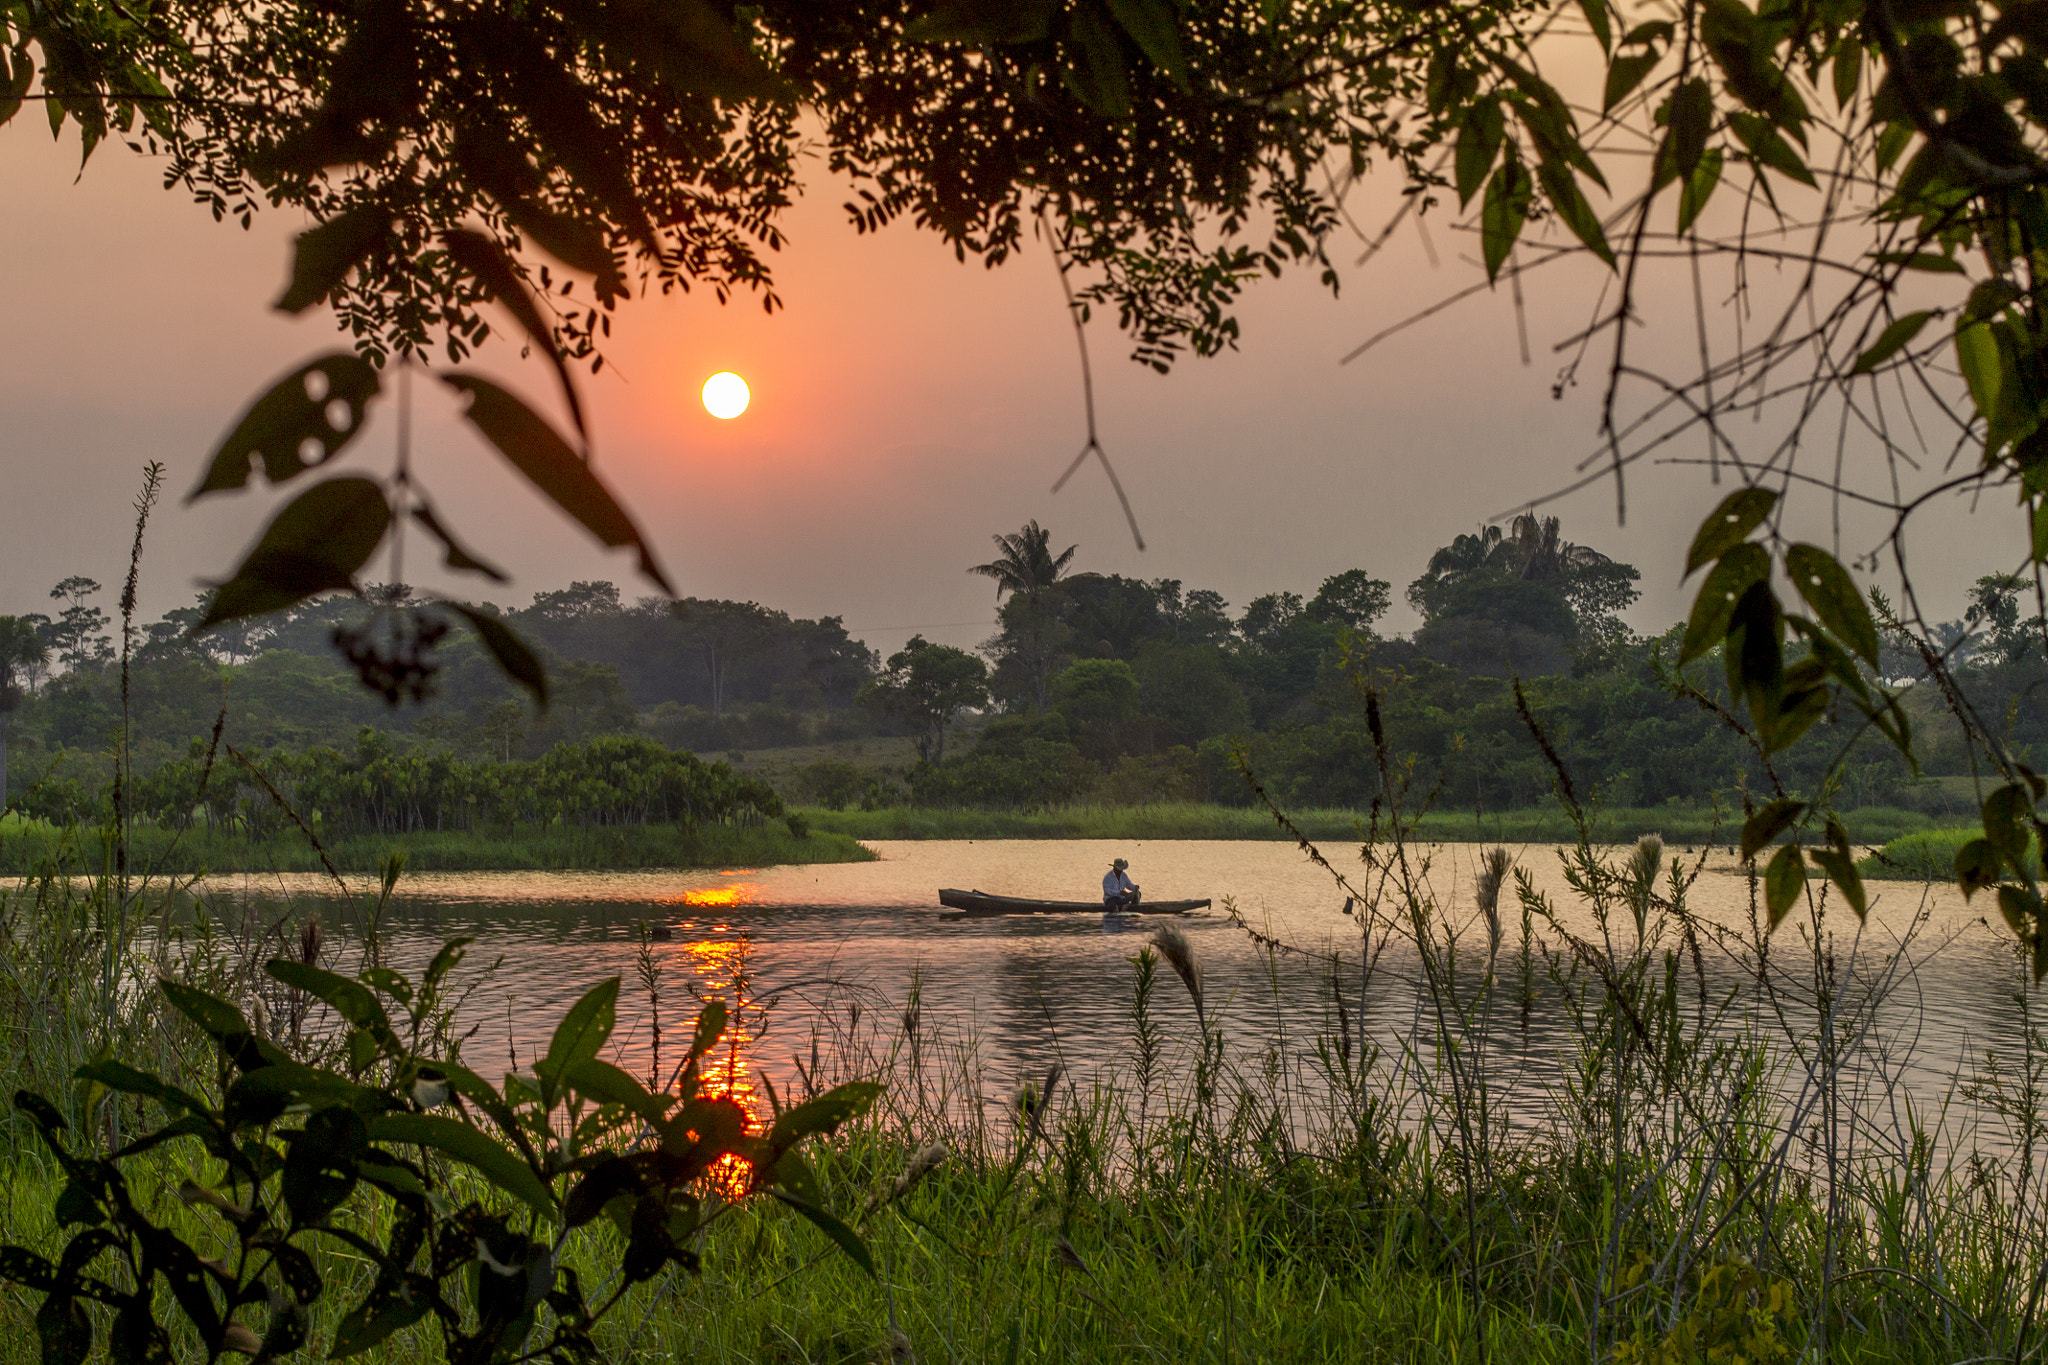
{"x": 1729, "y": 525}
{"x": 316, "y": 544}
{"x": 1832, "y": 594}
{"x": 325, "y": 254}
{"x": 1977, "y": 866}
{"x": 280, "y": 427}
{"x": 1741, "y": 566}
{"x": 515, "y": 659}
{"x": 534, "y": 449}
{"x": 1784, "y": 882}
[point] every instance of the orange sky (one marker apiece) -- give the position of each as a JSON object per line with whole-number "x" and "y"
{"x": 905, "y": 407}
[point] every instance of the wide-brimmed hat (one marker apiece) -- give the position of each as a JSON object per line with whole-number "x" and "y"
{"x": 1119, "y": 864}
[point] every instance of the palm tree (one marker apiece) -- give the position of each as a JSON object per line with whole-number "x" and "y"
{"x": 1027, "y": 565}
{"x": 21, "y": 650}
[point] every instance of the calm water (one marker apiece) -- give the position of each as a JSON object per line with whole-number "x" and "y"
{"x": 835, "y": 951}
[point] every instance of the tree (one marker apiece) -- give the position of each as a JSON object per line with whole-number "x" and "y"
{"x": 1026, "y": 564}
{"x": 724, "y": 632}
{"x": 1352, "y": 599}
{"x": 78, "y": 637}
{"x": 1034, "y": 633}
{"x": 924, "y": 687}
{"x": 21, "y": 650}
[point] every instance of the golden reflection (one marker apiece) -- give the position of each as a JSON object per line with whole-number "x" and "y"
{"x": 745, "y": 893}
{"x": 727, "y": 1072}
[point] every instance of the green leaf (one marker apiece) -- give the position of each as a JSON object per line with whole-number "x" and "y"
{"x": 1754, "y": 656}
{"x": 280, "y": 426}
{"x": 1479, "y": 139}
{"x": 1927, "y": 261}
{"x": 1977, "y": 866}
{"x": 1099, "y": 79}
{"x": 491, "y": 268}
{"x": 455, "y": 554}
{"x": 1153, "y": 26}
{"x": 1692, "y": 120}
{"x": 2021, "y": 908}
{"x": 376, "y": 1318}
{"x": 1892, "y": 340}
{"x": 1768, "y": 823}
{"x": 324, "y": 255}
{"x": 14, "y": 89}
{"x": 2008, "y": 814}
{"x": 844, "y": 1237}
{"x": 1741, "y": 566}
{"x": 583, "y": 1030}
{"x": 214, "y": 1015}
{"x": 534, "y": 449}
{"x": 825, "y": 1113}
{"x": 1729, "y": 525}
{"x": 606, "y": 1084}
{"x": 1502, "y": 214}
{"x": 316, "y": 544}
{"x": 1848, "y": 70}
{"x": 1769, "y": 149}
{"x": 129, "y": 1081}
{"x": 1832, "y": 594}
{"x": 515, "y": 660}
{"x": 1840, "y": 867}
{"x": 1596, "y": 19}
{"x": 1624, "y": 74}
{"x": 710, "y": 1024}
{"x": 352, "y": 1000}
{"x": 1570, "y": 203}
{"x": 1784, "y": 882}
{"x": 1982, "y": 362}
{"x": 471, "y": 1147}
{"x": 1694, "y": 193}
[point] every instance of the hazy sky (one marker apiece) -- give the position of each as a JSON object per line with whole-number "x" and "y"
{"x": 905, "y": 407}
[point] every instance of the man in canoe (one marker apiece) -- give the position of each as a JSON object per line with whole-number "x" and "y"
{"x": 1119, "y": 892}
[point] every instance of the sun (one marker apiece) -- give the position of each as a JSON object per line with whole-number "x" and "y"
{"x": 726, "y": 395}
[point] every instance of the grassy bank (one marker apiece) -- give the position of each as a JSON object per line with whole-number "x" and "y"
{"x": 1618, "y": 825}
{"x": 619, "y": 848}
{"x": 1928, "y": 855}
{"x": 1670, "y": 1183}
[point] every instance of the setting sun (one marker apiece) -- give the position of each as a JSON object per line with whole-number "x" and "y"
{"x": 726, "y": 395}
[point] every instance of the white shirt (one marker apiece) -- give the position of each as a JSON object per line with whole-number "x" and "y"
{"x": 1116, "y": 881}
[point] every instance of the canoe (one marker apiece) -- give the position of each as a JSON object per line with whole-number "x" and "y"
{"x": 974, "y": 904}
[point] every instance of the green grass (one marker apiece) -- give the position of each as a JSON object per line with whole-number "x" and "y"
{"x": 1677, "y": 824}
{"x": 1928, "y": 855}
{"x": 559, "y": 849}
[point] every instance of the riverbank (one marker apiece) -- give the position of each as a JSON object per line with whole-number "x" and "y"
{"x": 1542, "y": 824}
{"x": 25, "y": 850}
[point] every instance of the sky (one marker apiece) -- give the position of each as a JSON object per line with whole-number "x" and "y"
{"x": 906, "y": 407}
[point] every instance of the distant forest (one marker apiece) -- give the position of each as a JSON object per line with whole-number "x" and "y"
{"x": 1095, "y": 687}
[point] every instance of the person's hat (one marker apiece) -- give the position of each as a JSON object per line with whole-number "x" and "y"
{"x": 1119, "y": 864}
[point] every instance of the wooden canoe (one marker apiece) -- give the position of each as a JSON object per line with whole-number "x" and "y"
{"x": 976, "y": 904}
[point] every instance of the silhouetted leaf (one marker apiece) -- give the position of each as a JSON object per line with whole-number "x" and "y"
{"x": 1694, "y": 193}
{"x": 696, "y": 50}
{"x": 120, "y": 1076}
{"x": 583, "y": 1030}
{"x": 1502, "y": 214}
{"x": 214, "y": 1015}
{"x": 600, "y": 1081}
{"x": 1983, "y": 367}
{"x": 1927, "y": 261}
{"x": 472, "y": 1148}
{"x": 1597, "y": 20}
{"x": 514, "y": 658}
{"x": 2008, "y": 813}
{"x": 1832, "y": 594}
{"x": 1741, "y": 565}
{"x": 352, "y": 1000}
{"x": 14, "y": 87}
{"x": 1099, "y": 80}
{"x": 279, "y": 426}
{"x": 825, "y": 1113}
{"x": 1768, "y": 823}
{"x": 1479, "y": 139}
{"x": 324, "y": 255}
{"x": 456, "y": 555}
{"x": 2021, "y": 908}
{"x": 1570, "y": 203}
{"x": 1765, "y": 144}
{"x": 1977, "y": 866}
{"x": 387, "y": 1309}
{"x": 491, "y": 268}
{"x": 1892, "y": 340}
{"x": 1692, "y": 119}
{"x": 605, "y": 1182}
{"x": 1840, "y": 866}
{"x": 1153, "y": 26}
{"x": 544, "y": 457}
{"x": 985, "y": 23}
{"x": 1624, "y": 74}
{"x": 1784, "y": 882}
{"x": 316, "y": 544}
